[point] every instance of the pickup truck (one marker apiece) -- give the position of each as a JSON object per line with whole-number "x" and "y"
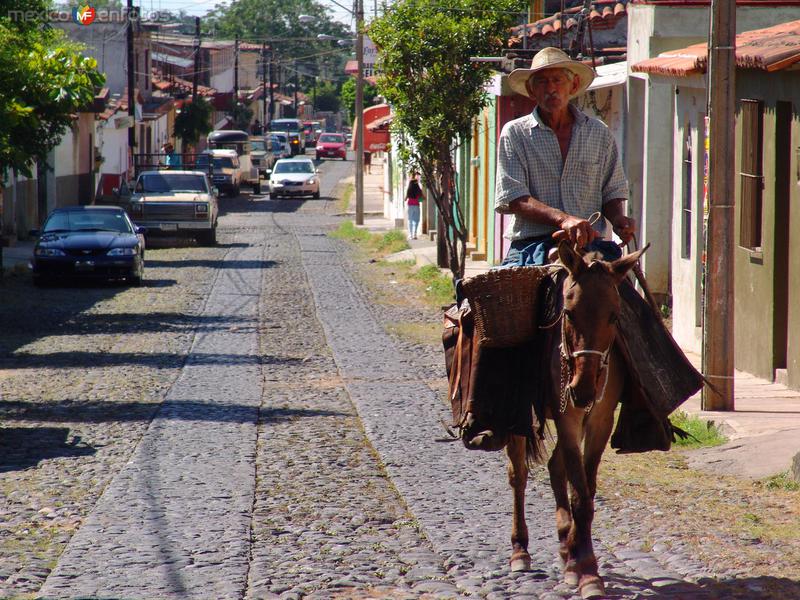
{"x": 173, "y": 202}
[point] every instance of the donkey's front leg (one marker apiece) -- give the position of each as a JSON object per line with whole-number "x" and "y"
{"x": 558, "y": 482}
{"x": 518, "y": 480}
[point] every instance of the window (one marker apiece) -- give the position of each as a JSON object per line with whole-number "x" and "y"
{"x": 686, "y": 199}
{"x": 751, "y": 174}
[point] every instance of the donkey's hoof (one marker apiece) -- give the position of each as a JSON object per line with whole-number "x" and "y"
{"x": 520, "y": 562}
{"x": 591, "y": 586}
{"x": 571, "y": 578}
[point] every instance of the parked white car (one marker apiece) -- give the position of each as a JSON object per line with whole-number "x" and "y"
{"x": 294, "y": 177}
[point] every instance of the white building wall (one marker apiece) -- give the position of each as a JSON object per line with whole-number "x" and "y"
{"x": 113, "y": 145}
{"x": 687, "y": 258}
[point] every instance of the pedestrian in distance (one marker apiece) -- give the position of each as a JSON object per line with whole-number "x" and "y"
{"x": 172, "y": 160}
{"x": 559, "y": 170}
{"x": 256, "y": 127}
{"x": 414, "y": 199}
{"x": 367, "y": 161}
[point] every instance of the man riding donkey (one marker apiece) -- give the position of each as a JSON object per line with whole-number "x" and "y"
{"x": 593, "y": 340}
{"x": 558, "y": 171}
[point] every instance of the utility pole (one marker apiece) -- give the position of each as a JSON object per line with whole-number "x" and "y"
{"x": 294, "y": 64}
{"x": 264, "y": 85}
{"x": 236, "y": 70}
{"x": 718, "y": 360}
{"x": 197, "y": 61}
{"x": 131, "y": 84}
{"x": 360, "y": 112}
{"x": 314, "y": 99}
{"x": 271, "y": 87}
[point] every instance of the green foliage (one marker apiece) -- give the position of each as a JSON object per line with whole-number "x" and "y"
{"x": 241, "y": 114}
{"x": 424, "y": 51}
{"x": 193, "y": 121}
{"x": 438, "y": 287}
{"x": 377, "y": 244}
{"x": 781, "y": 481}
{"x": 327, "y": 98}
{"x": 701, "y": 433}
{"x": 348, "y": 95}
{"x": 348, "y": 231}
{"x": 44, "y": 82}
{"x": 278, "y": 20}
{"x": 391, "y": 242}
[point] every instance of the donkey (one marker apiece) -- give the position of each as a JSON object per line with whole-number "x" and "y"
{"x": 588, "y": 378}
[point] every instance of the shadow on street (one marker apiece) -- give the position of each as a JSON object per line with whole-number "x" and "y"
{"x": 25, "y": 447}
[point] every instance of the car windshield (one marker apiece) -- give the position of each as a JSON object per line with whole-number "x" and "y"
{"x": 87, "y": 220}
{"x": 259, "y": 146}
{"x": 280, "y": 137}
{"x": 294, "y": 166}
{"x": 286, "y": 125}
{"x": 164, "y": 183}
{"x": 331, "y": 138}
{"x": 220, "y": 162}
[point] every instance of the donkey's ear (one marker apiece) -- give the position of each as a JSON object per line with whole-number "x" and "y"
{"x": 570, "y": 258}
{"x": 621, "y": 266}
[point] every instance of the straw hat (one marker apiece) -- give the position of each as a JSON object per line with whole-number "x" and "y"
{"x": 551, "y": 58}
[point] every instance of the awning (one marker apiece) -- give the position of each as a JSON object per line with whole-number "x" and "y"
{"x": 610, "y": 76}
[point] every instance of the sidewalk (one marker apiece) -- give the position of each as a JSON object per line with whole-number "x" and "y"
{"x": 764, "y": 428}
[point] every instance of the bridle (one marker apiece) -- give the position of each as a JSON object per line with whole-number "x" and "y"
{"x": 568, "y": 356}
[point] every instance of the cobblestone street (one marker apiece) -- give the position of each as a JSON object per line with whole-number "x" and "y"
{"x": 244, "y": 426}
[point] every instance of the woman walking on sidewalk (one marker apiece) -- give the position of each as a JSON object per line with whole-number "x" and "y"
{"x": 413, "y": 199}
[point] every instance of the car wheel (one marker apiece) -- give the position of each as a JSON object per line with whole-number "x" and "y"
{"x": 316, "y": 195}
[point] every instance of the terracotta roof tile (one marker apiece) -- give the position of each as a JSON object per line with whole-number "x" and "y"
{"x": 769, "y": 49}
{"x": 607, "y": 12}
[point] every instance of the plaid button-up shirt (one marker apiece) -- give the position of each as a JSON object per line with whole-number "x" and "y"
{"x": 529, "y": 164}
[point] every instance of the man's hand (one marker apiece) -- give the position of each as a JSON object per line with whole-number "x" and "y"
{"x": 624, "y": 227}
{"x": 578, "y": 231}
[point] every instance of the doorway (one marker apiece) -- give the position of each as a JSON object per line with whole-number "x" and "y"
{"x": 783, "y": 159}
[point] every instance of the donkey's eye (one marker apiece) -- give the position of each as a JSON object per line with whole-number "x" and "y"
{"x": 613, "y": 319}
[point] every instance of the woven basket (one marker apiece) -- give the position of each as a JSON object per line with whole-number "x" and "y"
{"x": 504, "y": 305}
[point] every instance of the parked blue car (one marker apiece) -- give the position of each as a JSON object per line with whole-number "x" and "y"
{"x": 91, "y": 242}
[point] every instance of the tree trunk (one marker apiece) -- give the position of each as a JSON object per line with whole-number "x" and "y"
{"x": 440, "y": 179}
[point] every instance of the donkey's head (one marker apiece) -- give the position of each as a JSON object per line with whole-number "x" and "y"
{"x": 589, "y": 324}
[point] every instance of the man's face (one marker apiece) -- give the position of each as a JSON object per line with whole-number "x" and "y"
{"x": 552, "y": 89}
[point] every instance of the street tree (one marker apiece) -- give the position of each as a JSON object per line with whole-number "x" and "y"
{"x": 348, "y": 95}
{"x": 436, "y": 92}
{"x": 45, "y": 81}
{"x": 327, "y": 98}
{"x": 193, "y": 121}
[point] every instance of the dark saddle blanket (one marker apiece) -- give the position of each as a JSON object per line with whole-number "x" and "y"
{"x": 497, "y": 392}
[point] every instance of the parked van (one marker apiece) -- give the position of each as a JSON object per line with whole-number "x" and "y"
{"x": 294, "y": 130}
{"x": 232, "y": 139}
